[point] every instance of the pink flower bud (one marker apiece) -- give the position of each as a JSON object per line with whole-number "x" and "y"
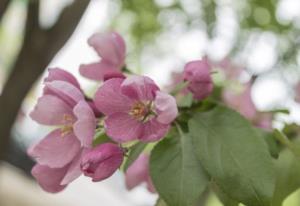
{"x": 102, "y": 161}
{"x": 197, "y": 73}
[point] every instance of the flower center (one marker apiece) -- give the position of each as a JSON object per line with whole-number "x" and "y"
{"x": 68, "y": 125}
{"x": 142, "y": 111}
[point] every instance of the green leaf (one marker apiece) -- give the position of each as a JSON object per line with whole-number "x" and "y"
{"x": 288, "y": 176}
{"x": 160, "y": 202}
{"x": 235, "y": 156}
{"x": 223, "y": 197}
{"x": 271, "y": 142}
{"x": 175, "y": 171}
{"x": 100, "y": 138}
{"x": 134, "y": 152}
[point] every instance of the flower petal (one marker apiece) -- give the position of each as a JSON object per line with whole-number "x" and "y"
{"x": 65, "y": 91}
{"x": 74, "y": 170}
{"x": 121, "y": 127}
{"x": 48, "y": 178}
{"x": 50, "y": 110}
{"x": 137, "y": 172}
{"x": 109, "y": 46}
{"x": 100, "y": 71}
{"x": 139, "y": 88}
{"x": 62, "y": 75}
{"x": 109, "y": 100}
{"x": 84, "y": 127}
{"x": 55, "y": 150}
{"x": 166, "y": 107}
{"x": 154, "y": 131}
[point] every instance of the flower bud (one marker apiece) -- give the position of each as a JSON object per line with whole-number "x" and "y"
{"x": 102, "y": 161}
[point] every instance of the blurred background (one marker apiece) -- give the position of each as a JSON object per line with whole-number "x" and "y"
{"x": 258, "y": 36}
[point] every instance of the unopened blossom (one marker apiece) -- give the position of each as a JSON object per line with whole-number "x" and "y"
{"x": 135, "y": 108}
{"x": 58, "y": 155}
{"x": 241, "y": 101}
{"x": 197, "y": 73}
{"x": 112, "y": 50}
{"x": 138, "y": 173}
{"x": 102, "y": 161}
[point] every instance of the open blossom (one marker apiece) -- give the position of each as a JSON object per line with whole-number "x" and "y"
{"x": 197, "y": 73}
{"x": 58, "y": 155}
{"x": 138, "y": 173}
{"x": 112, "y": 50}
{"x": 135, "y": 109}
{"x": 102, "y": 161}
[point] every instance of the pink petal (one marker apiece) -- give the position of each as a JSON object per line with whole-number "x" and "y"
{"x": 48, "y": 178}
{"x": 153, "y": 131}
{"x": 137, "y": 172}
{"x": 84, "y": 127}
{"x": 140, "y": 88}
{"x": 62, "y": 75}
{"x": 74, "y": 170}
{"x": 51, "y": 110}
{"x": 166, "y": 107}
{"x": 100, "y": 71}
{"x": 121, "y": 127}
{"x": 55, "y": 150}
{"x": 109, "y": 100}
{"x": 109, "y": 46}
{"x": 65, "y": 91}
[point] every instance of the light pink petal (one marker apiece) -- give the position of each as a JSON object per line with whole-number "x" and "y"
{"x": 65, "y": 91}
{"x": 154, "y": 131}
{"x": 100, "y": 71}
{"x": 62, "y": 75}
{"x": 139, "y": 88}
{"x": 84, "y": 127}
{"x": 121, "y": 127}
{"x": 51, "y": 110}
{"x": 137, "y": 172}
{"x": 109, "y": 46}
{"x": 166, "y": 107}
{"x": 109, "y": 100}
{"x": 74, "y": 170}
{"x": 55, "y": 150}
{"x": 48, "y": 178}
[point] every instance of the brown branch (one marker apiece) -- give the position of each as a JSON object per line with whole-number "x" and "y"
{"x": 3, "y": 6}
{"x": 38, "y": 49}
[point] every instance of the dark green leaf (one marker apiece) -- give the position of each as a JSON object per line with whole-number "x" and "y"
{"x": 223, "y": 197}
{"x": 235, "y": 156}
{"x": 176, "y": 173}
{"x": 134, "y": 152}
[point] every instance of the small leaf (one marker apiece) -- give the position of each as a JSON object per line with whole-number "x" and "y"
{"x": 223, "y": 197}
{"x": 234, "y": 155}
{"x": 100, "y": 138}
{"x": 175, "y": 171}
{"x": 288, "y": 173}
{"x": 134, "y": 153}
{"x": 160, "y": 202}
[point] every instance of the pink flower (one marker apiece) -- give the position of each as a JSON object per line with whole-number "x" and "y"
{"x": 138, "y": 173}
{"x": 61, "y": 75}
{"x": 112, "y": 50}
{"x": 102, "y": 161}
{"x": 242, "y": 102}
{"x": 62, "y": 104}
{"x": 135, "y": 109}
{"x": 197, "y": 73}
